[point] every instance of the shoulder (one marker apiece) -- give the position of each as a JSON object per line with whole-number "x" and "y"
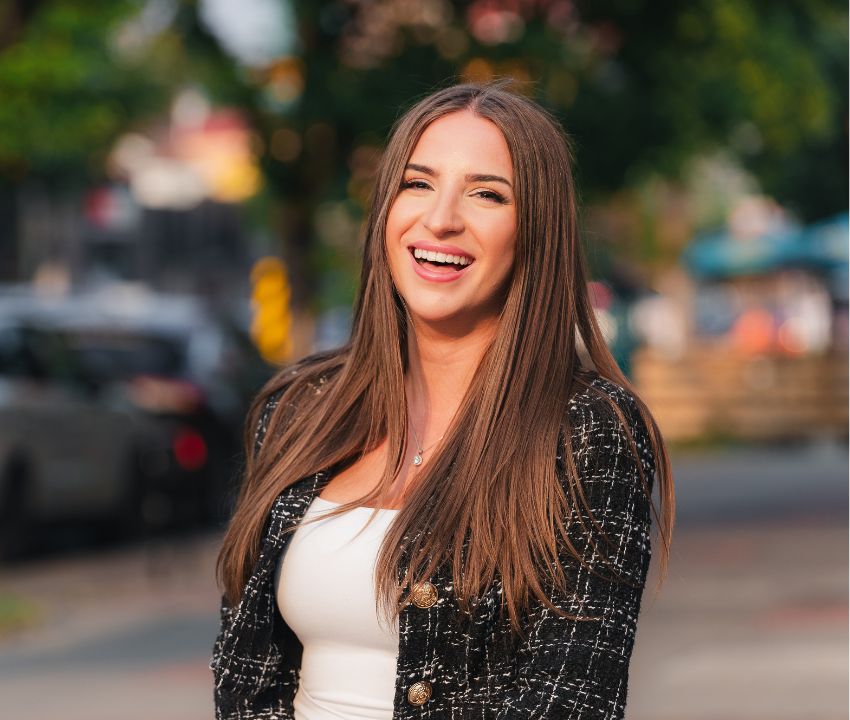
{"x": 604, "y": 415}
{"x": 271, "y": 397}
{"x": 596, "y": 394}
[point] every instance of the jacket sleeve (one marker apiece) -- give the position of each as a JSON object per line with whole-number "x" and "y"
{"x": 579, "y": 669}
{"x": 227, "y": 704}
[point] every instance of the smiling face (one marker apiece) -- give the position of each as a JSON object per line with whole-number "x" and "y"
{"x": 451, "y": 231}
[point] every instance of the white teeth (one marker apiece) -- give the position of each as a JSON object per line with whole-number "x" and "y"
{"x": 441, "y": 257}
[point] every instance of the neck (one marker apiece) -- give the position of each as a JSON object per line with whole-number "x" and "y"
{"x": 439, "y": 371}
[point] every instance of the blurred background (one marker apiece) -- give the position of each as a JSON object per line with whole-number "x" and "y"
{"x": 182, "y": 187}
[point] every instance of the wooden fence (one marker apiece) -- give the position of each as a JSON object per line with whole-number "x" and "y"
{"x": 713, "y": 391}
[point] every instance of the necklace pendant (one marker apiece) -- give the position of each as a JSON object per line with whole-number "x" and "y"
{"x": 417, "y": 459}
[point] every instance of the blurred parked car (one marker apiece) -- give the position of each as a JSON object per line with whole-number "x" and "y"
{"x": 129, "y": 413}
{"x": 69, "y": 452}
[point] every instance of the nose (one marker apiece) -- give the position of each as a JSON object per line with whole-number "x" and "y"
{"x": 442, "y": 216}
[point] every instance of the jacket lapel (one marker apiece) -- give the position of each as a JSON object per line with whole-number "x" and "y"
{"x": 250, "y": 657}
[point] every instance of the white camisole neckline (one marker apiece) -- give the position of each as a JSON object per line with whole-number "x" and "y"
{"x": 325, "y": 588}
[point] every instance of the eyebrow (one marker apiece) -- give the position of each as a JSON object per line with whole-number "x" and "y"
{"x": 472, "y": 177}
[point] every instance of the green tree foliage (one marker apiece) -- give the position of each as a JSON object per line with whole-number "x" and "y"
{"x": 766, "y": 80}
{"x": 642, "y": 86}
{"x": 66, "y": 91}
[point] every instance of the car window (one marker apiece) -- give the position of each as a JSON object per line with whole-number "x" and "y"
{"x": 17, "y": 359}
{"x": 119, "y": 356}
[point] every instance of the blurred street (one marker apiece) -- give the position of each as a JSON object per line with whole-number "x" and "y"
{"x": 751, "y": 624}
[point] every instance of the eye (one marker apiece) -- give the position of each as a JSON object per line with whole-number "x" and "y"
{"x": 414, "y": 185}
{"x": 491, "y": 195}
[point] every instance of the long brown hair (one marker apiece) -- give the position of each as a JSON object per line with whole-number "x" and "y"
{"x": 489, "y": 502}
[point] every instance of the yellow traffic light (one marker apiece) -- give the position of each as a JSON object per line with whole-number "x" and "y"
{"x": 272, "y": 322}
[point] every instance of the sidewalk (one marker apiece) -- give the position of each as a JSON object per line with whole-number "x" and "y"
{"x": 750, "y": 625}
{"x": 125, "y": 635}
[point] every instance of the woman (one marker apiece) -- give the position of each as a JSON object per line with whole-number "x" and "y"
{"x": 500, "y": 490}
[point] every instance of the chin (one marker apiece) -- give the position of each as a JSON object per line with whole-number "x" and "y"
{"x": 430, "y": 313}
{"x": 458, "y": 321}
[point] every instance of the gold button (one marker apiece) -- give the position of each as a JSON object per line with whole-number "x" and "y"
{"x": 424, "y": 595}
{"x": 419, "y": 692}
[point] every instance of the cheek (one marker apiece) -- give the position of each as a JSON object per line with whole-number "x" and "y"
{"x": 503, "y": 237}
{"x": 392, "y": 236}
{"x": 398, "y": 219}
{"x": 391, "y": 230}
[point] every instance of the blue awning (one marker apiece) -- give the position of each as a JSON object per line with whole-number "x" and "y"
{"x": 821, "y": 246}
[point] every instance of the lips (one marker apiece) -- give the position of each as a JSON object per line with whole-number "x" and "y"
{"x": 440, "y": 254}
{"x": 433, "y": 273}
{"x": 440, "y": 260}
{"x": 441, "y": 248}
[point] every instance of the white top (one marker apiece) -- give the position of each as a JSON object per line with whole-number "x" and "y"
{"x": 325, "y": 586}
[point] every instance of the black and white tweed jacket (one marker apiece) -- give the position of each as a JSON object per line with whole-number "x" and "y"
{"x": 454, "y": 666}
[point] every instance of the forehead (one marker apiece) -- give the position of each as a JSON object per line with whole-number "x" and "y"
{"x": 464, "y": 141}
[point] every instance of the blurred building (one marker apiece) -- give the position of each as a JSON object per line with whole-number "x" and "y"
{"x": 750, "y": 339}
{"x": 170, "y": 217}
